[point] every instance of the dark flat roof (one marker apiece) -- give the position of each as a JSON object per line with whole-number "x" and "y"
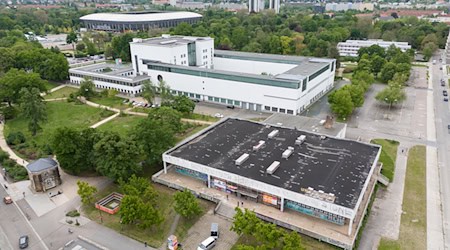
{"x": 41, "y": 164}
{"x": 332, "y": 165}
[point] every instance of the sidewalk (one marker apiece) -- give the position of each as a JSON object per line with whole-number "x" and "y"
{"x": 435, "y": 234}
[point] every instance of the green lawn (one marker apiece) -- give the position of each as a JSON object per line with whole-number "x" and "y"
{"x": 60, "y": 114}
{"x": 201, "y": 117}
{"x": 114, "y": 101}
{"x": 49, "y": 85}
{"x": 388, "y": 156}
{"x": 60, "y": 93}
{"x": 156, "y": 236}
{"x": 413, "y": 225}
{"x": 193, "y": 128}
{"x": 122, "y": 124}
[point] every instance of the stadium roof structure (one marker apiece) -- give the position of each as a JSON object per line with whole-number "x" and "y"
{"x": 139, "y": 17}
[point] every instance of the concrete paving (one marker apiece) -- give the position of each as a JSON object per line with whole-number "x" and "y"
{"x": 435, "y": 234}
{"x": 202, "y": 230}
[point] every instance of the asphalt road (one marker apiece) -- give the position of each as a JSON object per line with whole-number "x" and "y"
{"x": 13, "y": 225}
{"x": 442, "y": 119}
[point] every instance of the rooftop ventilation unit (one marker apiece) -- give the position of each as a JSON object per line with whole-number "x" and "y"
{"x": 273, "y": 167}
{"x": 241, "y": 159}
{"x": 323, "y": 137}
{"x": 260, "y": 144}
{"x": 273, "y": 134}
{"x": 300, "y": 140}
{"x": 287, "y": 153}
{"x": 322, "y": 122}
{"x": 168, "y": 42}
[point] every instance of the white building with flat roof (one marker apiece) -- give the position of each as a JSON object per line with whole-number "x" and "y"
{"x": 349, "y": 6}
{"x": 351, "y": 47}
{"x": 191, "y": 66}
{"x": 260, "y": 82}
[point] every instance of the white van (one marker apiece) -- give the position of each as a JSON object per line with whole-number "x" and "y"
{"x": 207, "y": 244}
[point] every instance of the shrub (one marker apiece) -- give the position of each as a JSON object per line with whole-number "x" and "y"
{"x": 3, "y": 156}
{"x": 9, "y": 112}
{"x": 47, "y": 149}
{"x": 15, "y": 138}
{"x": 72, "y": 97}
{"x": 73, "y": 213}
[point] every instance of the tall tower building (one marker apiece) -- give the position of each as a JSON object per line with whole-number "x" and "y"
{"x": 255, "y": 5}
{"x": 258, "y": 5}
{"x": 275, "y": 5}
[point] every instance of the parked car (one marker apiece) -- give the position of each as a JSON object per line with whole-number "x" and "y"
{"x": 442, "y": 84}
{"x": 218, "y": 115}
{"x": 230, "y": 106}
{"x": 445, "y": 99}
{"x": 207, "y": 244}
{"x": 444, "y": 92}
{"x": 23, "y": 241}
{"x": 196, "y": 100}
{"x": 7, "y": 200}
{"x": 215, "y": 230}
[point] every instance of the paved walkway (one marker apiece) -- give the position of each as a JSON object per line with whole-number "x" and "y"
{"x": 4, "y": 146}
{"x": 55, "y": 99}
{"x": 435, "y": 234}
{"x": 385, "y": 216}
{"x": 98, "y": 124}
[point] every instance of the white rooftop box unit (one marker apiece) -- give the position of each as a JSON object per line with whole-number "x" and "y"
{"x": 273, "y": 133}
{"x": 287, "y": 153}
{"x": 241, "y": 159}
{"x": 273, "y": 167}
{"x": 260, "y": 144}
{"x": 300, "y": 139}
{"x": 322, "y": 122}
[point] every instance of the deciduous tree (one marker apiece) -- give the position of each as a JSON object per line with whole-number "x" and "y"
{"x": 33, "y": 108}
{"x": 186, "y": 204}
{"x": 86, "y": 192}
{"x": 117, "y": 157}
{"x": 341, "y": 103}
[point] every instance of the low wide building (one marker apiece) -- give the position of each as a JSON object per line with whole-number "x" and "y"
{"x": 312, "y": 183}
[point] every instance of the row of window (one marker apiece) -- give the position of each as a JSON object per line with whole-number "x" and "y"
{"x": 224, "y": 101}
{"x": 316, "y": 74}
{"x": 279, "y": 110}
{"x": 133, "y": 84}
{"x": 222, "y": 76}
{"x": 100, "y": 86}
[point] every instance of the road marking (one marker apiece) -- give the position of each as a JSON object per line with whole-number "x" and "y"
{"x": 29, "y": 224}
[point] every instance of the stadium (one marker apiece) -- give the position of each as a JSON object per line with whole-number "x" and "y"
{"x": 119, "y": 22}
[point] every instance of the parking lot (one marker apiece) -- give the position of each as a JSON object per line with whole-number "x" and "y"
{"x": 201, "y": 230}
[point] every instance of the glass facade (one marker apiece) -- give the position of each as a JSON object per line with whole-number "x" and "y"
{"x": 223, "y": 76}
{"x": 314, "y": 212}
{"x": 316, "y": 74}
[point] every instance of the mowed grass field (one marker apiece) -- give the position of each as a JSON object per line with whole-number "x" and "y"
{"x": 413, "y": 226}
{"x": 388, "y": 156}
{"x": 60, "y": 114}
{"x": 61, "y": 93}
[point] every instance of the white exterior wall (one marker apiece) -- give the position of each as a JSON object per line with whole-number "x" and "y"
{"x": 131, "y": 90}
{"x": 272, "y": 96}
{"x": 240, "y": 91}
{"x": 164, "y": 54}
{"x": 205, "y": 52}
{"x": 263, "y": 187}
{"x": 251, "y": 67}
{"x": 351, "y": 47}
